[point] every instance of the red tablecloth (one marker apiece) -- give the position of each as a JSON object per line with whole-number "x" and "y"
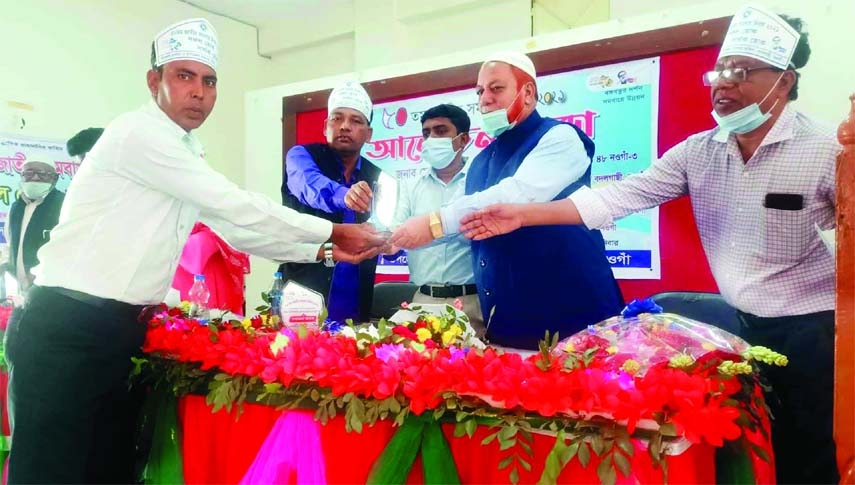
{"x": 220, "y": 447}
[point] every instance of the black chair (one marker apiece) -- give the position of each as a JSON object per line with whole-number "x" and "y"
{"x": 704, "y": 307}
{"x": 388, "y": 296}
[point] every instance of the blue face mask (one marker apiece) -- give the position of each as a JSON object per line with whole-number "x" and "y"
{"x": 748, "y": 118}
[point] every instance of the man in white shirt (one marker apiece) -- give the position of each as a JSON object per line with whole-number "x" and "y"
{"x": 760, "y": 184}
{"x": 126, "y": 217}
{"x": 443, "y": 269}
{"x": 31, "y": 218}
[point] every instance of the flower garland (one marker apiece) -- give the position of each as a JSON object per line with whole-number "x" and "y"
{"x": 575, "y": 390}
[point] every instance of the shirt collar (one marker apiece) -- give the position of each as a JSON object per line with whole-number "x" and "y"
{"x": 782, "y": 129}
{"x": 187, "y": 137}
{"x": 432, "y": 173}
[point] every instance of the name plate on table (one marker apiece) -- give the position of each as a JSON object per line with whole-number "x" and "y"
{"x": 300, "y": 305}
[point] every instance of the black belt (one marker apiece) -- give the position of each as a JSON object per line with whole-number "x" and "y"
{"x": 141, "y": 313}
{"x": 448, "y": 291}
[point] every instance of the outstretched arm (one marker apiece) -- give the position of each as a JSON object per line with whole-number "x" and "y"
{"x": 503, "y": 218}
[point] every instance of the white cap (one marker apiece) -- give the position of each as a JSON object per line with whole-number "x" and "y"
{"x": 192, "y": 39}
{"x": 350, "y": 94}
{"x": 761, "y": 34}
{"x": 516, "y": 59}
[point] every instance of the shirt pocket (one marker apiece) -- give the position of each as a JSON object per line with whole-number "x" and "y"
{"x": 786, "y": 234}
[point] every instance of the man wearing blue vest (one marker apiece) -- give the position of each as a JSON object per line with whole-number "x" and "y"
{"x": 529, "y": 281}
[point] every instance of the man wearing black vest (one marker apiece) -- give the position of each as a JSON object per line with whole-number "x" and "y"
{"x": 33, "y": 215}
{"x": 332, "y": 181}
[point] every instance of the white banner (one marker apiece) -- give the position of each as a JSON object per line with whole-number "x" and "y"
{"x": 616, "y": 105}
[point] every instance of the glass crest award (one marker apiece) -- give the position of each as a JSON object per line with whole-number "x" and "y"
{"x": 384, "y": 203}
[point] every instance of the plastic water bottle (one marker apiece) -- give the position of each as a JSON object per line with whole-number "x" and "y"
{"x": 275, "y": 294}
{"x": 199, "y": 295}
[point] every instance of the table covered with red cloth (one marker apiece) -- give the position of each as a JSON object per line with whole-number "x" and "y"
{"x": 220, "y": 447}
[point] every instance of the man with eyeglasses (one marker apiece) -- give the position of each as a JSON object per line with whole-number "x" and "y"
{"x": 761, "y": 184}
{"x": 32, "y": 216}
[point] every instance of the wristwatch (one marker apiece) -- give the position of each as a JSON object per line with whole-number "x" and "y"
{"x": 329, "y": 262}
{"x": 435, "y": 225}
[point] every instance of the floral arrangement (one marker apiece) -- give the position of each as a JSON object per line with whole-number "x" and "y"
{"x": 686, "y": 383}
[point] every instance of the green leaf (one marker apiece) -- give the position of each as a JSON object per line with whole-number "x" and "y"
{"x": 489, "y": 438}
{"x": 506, "y": 444}
{"x": 606, "y": 472}
{"x": 262, "y": 308}
{"x": 625, "y": 445}
{"x": 315, "y": 395}
{"x": 459, "y": 430}
{"x": 394, "y": 405}
{"x": 668, "y": 429}
{"x": 470, "y": 426}
{"x": 508, "y": 432}
{"x": 598, "y": 445}
{"x": 584, "y": 454}
{"x": 622, "y": 463}
{"x": 524, "y": 463}
{"x": 514, "y": 477}
{"x": 506, "y": 462}
{"x": 569, "y": 453}
{"x": 759, "y": 451}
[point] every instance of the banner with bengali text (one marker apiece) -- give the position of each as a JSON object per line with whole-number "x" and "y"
{"x": 617, "y": 105}
{"x": 15, "y": 151}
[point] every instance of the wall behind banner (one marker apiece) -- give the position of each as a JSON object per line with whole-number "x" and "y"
{"x": 683, "y": 110}
{"x": 80, "y": 63}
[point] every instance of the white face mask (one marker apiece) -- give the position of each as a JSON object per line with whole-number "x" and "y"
{"x": 748, "y": 118}
{"x": 36, "y": 190}
{"x": 439, "y": 152}
{"x": 496, "y": 122}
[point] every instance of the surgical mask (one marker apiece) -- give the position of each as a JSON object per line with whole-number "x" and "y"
{"x": 36, "y": 190}
{"x": 496, "y": 122}
{"x": 438, "y": 152}
{"x": 748, "y": 118}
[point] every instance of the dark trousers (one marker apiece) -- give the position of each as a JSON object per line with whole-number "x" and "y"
{"x": 802, "y": 396}
{"x": 73, "y": 417}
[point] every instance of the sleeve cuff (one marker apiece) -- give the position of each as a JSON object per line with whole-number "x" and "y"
{"x": 338, "y": 197}
{"x": 591, "y": 208}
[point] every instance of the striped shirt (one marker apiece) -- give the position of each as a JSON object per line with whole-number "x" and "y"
{"x": 767, "y": 261}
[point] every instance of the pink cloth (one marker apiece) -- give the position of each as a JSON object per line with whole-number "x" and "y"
{"x": 223, "y": 266}
{"x": 291, "y": 453}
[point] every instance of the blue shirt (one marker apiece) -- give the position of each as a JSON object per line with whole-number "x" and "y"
{"x": 447, "y": 260}
{"x": 313, "y": 188}
{"x": 316, "y": 190}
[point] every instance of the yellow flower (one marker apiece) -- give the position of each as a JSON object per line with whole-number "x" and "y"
{"x": 630, "y": 367}
{"x": 434, "y": 322}
{"x": 612, "y": 350}
{"x": 246, "y": 323}
{"x": 280, "y": 342}
{"x": 731, "y": 368}
{"x": 185, "y": 307}
{"x": 569, "y": 348}
{"x": 681, "y": 361}
{"x": 708, "y": 346}
{"x": 423, "y": 334}
{"x": 766, "y": 355}
{"x": 452, "y": 333}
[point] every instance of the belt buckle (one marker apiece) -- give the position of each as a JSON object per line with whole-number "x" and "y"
{"x": 431, "y": 291}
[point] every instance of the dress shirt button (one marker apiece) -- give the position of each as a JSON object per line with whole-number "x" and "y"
{"x": 488, "y": 292}
{"x": 483, "y": 263}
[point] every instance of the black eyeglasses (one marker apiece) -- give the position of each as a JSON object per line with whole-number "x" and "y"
{"x": 731, "y": 74}
{"x": 42, "y": 174}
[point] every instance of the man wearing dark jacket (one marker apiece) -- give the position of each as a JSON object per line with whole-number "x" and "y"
{"x": 332, "y": 181}
{"x": 31, "y": 218}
